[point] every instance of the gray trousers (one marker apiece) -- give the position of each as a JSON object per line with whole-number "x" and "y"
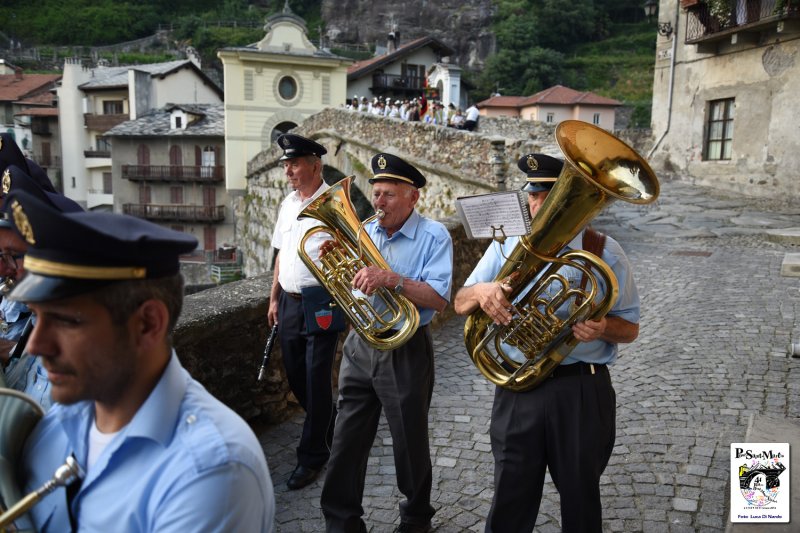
{"x": 401, "y": 383}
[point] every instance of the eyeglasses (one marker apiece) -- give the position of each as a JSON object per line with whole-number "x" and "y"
{"x": 10, "y": 259}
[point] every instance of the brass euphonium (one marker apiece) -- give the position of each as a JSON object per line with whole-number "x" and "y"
{"x": 19, "y": 414}
{"x": 374, "y": 318}
{"x": 598, "y": 169}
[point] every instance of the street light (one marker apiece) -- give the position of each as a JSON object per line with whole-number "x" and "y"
{"x": 650, "y": 9}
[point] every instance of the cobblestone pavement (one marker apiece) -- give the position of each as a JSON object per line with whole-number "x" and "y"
{"x": 717, "y": 318}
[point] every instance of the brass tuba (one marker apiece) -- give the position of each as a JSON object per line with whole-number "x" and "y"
{"x": 374, "y": 320}
{"x": 598, "y": 169}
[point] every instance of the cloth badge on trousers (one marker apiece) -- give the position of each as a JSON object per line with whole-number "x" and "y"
{"x": 324, "y": 318}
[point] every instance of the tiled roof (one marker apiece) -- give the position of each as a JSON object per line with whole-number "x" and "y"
{"x": 13, "y": 88}
{"x": 38, "y": 112}
{"x": 558, "y": 94}
{"x": 555, "y": 95}
{"x": 157, "y": 123}
{"x": 46, "y": 98}
{"x": 501, "y": 101}
{"x": 357, "y": 70}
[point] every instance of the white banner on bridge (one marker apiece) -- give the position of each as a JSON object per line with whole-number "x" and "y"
{"x": 760, "y": 480}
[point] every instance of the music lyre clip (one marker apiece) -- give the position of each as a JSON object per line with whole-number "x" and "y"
{"x": 502, "y": 238}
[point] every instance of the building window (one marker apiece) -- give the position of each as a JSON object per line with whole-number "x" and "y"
{"x": 719, "y": 137}
{"x": 596, "y": 119}
{"x": 112, "y": 107}
{"x": 107, "y": 183}
{"x": 287, "y": 88}
{"x": 103, "y": 144}
{"x": 551, "y": 117}
{"x": 176, "y": 195}
{"x": 248, "y": 85}
{"x": 178, "y": 123}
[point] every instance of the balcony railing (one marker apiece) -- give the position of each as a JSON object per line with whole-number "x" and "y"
{"x": 703, "y": 23}
{"x": 173, "y": 173}
{"x": 48, "y": 161}
{"x": 103, "y": 123}
{"x": 395, "y": 82}
{"x": 178, "y": 213}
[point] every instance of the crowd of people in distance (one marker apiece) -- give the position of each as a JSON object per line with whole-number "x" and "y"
{"x": 417, "y": 110}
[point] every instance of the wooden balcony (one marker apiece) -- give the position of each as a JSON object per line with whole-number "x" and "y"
{"x": 103, "y": 123}
{"x": 166, "y": 173}
{"x": 176, "y": 213}
{"x": 750, "y": 17}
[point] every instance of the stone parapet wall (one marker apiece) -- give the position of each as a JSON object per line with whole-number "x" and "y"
{"x": 221, "y": 334}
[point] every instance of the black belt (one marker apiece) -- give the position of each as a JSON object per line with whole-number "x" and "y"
{"x": 295, "y": 295}
{"x": 579, "y": 369}
{"x": 393, "y": 332}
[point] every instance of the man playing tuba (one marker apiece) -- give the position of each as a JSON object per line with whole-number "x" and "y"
{"x": 567, "y": 423}
{"x": 419, "y": 252}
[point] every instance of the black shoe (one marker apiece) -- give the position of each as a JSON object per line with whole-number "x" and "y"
{"x": 301, "y": 477}
{"x": 405, "y": 527}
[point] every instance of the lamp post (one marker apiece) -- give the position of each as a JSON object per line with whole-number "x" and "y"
{"x": 650, "y": 9}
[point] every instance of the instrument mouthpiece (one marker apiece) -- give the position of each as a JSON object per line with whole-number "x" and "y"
{"x": 380, "y": 213}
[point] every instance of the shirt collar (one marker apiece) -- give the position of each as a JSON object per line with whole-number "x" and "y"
{"x": 156, "y": 418}
{"x": 295, "y": 196}
{"x": 409, "y": 227}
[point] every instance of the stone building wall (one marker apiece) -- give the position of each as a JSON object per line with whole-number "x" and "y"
{"x": 222, "y": 332}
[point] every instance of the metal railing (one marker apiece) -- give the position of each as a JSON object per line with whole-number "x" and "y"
{"x": 393, "y": 81}
{"x": 182, "y": 213}
{"x": 173, "y": 173}
{"x": 704, "y": 20}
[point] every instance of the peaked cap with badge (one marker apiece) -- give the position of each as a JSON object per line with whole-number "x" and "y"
{"x": 542, "y": 171}
{"x": 390, "y": 167}
{"x": 10, "y": 154}
{"x": 297, "y": 146}
{"x": 15, "y": 179}
{"x": 75, "y": 253}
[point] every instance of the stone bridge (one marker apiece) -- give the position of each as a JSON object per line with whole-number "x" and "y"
{"x": 455, "y": 162}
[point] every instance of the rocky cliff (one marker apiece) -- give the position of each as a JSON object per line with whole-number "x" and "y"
{"x": 464, "y": 25}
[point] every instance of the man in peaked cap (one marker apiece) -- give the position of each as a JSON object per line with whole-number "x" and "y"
{"x": 158, "y": 451}
{"x": 308, "y": 345}
{"x": 566, "y": 423}
{"x": 419, "y": 252}
{"x": 24, "y": 371}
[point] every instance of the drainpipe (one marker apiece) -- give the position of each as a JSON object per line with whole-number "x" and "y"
{"x": 671, "y": 80}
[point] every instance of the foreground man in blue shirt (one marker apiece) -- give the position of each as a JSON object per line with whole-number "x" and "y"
{"x": 419, "y": 252}
{"x": 567, "y": 423}
{"x": 159, "y": 452}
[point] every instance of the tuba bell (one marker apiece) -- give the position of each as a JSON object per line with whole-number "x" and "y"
{"x": 375, "y": 319}
{"x": 598, "y": 169}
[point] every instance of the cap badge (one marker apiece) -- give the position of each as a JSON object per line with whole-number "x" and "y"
{"x": 1, "y": 143}
{"x": 6, "y": 181}
{"x": 381, "y": 162}
{"x": 532, "y": 163}
{"x": 286, "y": 141}
{"x": 22, "y": 223}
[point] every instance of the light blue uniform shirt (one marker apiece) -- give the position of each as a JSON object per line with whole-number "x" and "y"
{"x": 185, "y": 462}
{"x": 25, "y": 373}
{"x": 626, "y": 306}
{"x": 421, "y": 250}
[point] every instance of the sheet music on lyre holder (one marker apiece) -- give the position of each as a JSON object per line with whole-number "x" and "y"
{"x": 494, "y": 215}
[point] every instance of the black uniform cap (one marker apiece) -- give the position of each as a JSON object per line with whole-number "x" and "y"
{"x": 74, "y": 253}
{"x": 297, "y": 146}
{"x": 390, "y": 167}
{"x": 10, "y": 154}
{"x": 15, "y": 179}
{"x": 542, "y": 171}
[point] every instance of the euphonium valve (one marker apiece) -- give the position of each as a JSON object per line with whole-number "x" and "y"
{"x": 598, "y": 169}
{"x": 384, "y": 320}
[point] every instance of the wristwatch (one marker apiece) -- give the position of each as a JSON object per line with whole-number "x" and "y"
{"x": 399, "y": 287}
